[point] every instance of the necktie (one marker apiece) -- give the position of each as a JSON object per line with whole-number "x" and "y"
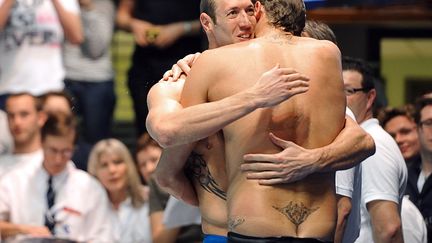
{"x": 50, "y": 196}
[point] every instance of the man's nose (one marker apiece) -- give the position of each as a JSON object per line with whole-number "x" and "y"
{"x": 398, "y": 138}
{"x": 244, "y": 20}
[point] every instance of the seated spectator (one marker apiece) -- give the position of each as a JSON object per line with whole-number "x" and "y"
{"x": 25, "y": 120}
{"x": 111, "y": 163}
{"x": 160, "y": 232}
{"x": 147, "y": 153}
{"x": 54, "y": 102}
{"x": 51, "y": 198}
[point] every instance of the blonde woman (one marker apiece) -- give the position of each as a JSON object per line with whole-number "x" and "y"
{"x": 111, "y": 163}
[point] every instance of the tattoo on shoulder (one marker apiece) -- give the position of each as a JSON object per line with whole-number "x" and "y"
{"x": 197, "y": 169}
{"x": 234, "y": 222}
{"x": 296, "y": 212}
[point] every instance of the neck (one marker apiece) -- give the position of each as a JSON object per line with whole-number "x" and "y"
{"x": 28, "y": 147}
{"x": 117, "y": 198}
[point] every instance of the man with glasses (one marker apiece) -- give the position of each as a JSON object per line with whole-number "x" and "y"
{"x": 419, "y": 187}
{"x": 51, "y": 198}
{"x": 384, "y": 174}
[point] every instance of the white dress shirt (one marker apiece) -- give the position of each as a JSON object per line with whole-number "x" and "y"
{"x": 80, "y": 209}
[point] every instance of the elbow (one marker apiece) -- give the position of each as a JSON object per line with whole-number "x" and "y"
{"x": 391, "y": 232}
{"x": 165, "y": 134}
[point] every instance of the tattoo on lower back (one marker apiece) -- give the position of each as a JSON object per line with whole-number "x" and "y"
{"x": 234, "y": 222}
{"x": 197, "y": 169}
{"x": 296, "y": 212}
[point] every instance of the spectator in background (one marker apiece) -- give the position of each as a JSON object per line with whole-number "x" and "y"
{"x": 160, "y": 232}
{"x": 6, "y": 142}
{"x": 89, "y": 72}
{"x": 384, "y": 174}
{"x": 112, "y": 164}
{"x": 25, "y": 119}
{"x": 400, "y": 124}
{"x": 164, "y": 32}
{"x": 31, "y": 35}
{"x": 55, "y": 102}
{"x": 419, "y": 187}
{"x": 148, "y": 153}
{"x": 51, "y": 197}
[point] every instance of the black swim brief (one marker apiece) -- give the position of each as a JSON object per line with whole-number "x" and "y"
{"x": 238, "y": 238}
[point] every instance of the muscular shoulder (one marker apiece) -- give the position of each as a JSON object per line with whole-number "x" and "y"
{"x": 166, "y": 90}
{"x": 322, "y": 49}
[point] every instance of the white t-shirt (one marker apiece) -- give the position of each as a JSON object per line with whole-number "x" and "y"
{"x": 81, "y": 205}
{"x": 131, "y": 224}
{"x": 178, "y": 214}
{"x": 413, "y": 225}
{"x": 30, "y": 47}
{"x": 384, "y": 175}
{"x": 10, "y": 161}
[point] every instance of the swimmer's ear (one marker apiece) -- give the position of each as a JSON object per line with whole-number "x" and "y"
{"x": 206, "y": 22}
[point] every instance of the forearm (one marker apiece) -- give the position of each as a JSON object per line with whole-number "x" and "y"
{"x": 171, "y": 163}
{"x": 385, "y": 221}
{"x": 344, "y": 208}
{"x": 71, "y": 24}
{"x": 351, "y": 146}
{"x": 192, "y": 27}
{"x": 124, "y": 15}
{"x": 200, "y": 121}
{"x": 160, "y": 234}
{"x": 9, "y": 230}
{"x": 5, "y": 9}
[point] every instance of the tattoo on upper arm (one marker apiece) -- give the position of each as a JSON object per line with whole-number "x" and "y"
{"x": 197, "y": 169}
{"x": 296, "y": 212}
{"x": 234, "y": 222}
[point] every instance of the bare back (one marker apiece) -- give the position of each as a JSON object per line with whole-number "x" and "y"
{"x": 303, "y": 209}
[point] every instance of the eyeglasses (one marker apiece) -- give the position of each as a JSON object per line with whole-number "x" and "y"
{"x": 63, "y": 152}
{"x": 351, "y": 91}
{"x": 426, "y": 123}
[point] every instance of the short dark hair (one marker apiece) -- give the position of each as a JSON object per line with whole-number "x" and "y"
{"x": 388, "y": 113}
{"x": 421, "y": 103}
{"x": 59, "y": 124}
{"x": 43, "y": 98}
{"x": 208, "y": 7}
{"x": 145, "y": 141}
{"x": 290, "y": 15}
{"x": 359, "y": 65}
{"x": 319, "y": 30}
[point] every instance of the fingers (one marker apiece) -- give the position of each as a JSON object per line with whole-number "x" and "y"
{"x": 278, "y": 141}
{"x": 265, "y": 175}
{"x": 272, "y": 182}
{"x": 260, "y": 167}
{"x": 184, "y": 66}
{"x": 167, "y": 75}
{"x": 262, "y": 157}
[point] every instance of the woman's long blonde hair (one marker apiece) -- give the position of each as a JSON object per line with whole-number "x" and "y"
{"x": 111, "y": 145}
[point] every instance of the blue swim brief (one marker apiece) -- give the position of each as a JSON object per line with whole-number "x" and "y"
{"x": 215, "y": 239}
